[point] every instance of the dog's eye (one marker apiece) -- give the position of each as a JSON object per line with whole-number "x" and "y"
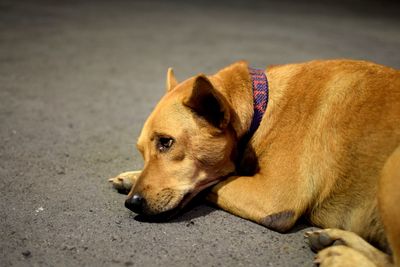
{"x": 164, "y": 143}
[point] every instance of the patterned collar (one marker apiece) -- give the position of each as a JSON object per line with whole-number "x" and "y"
{"x": 260, "y": 97}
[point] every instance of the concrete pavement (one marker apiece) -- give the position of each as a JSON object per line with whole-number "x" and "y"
{"x": 78, "y": 79}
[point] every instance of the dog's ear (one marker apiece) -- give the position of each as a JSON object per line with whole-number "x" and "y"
{"x": 208, "y": 103}
{"x": 171, "y": 80}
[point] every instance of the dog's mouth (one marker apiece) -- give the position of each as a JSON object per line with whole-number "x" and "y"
{"x": 188, "y": 197}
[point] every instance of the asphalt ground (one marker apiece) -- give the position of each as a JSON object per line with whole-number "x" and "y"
{"x": 79, "y": 78}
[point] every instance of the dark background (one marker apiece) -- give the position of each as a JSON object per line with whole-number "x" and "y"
{"x": 78, "y": 79}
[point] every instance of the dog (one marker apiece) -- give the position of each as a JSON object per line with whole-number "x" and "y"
{"x": 319, "y": 140}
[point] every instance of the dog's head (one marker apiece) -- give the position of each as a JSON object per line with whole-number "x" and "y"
{"x": 187, "y": 144}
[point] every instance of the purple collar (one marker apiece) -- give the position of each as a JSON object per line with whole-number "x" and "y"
{"x": 260, "y": 97}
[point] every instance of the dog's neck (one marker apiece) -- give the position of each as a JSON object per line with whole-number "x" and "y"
{"x": 237, "y": 86}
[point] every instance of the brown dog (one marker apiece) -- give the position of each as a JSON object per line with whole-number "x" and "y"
{"x": 327, "y": 148}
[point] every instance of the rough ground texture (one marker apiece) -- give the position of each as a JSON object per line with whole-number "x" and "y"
{"x": 78, "y": 79}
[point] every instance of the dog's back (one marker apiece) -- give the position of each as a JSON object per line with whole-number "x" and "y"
{"x": 341, "y": 120}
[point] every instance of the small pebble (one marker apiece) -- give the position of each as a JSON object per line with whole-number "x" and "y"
{"x": 60, "y": 170}
{"x": 26, "y": 253}
{"x": 39, "y": 209}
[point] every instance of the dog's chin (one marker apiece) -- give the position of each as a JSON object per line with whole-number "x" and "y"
{"x": 159, "y": 217}
{"x": 181, "y": 206}
{"x": 166, "y": 215}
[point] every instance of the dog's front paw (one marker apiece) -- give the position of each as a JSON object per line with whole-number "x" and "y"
{"x": 341, "y": 256}
{"x": 124, "y": 181}
{"x": 335, "y": 246}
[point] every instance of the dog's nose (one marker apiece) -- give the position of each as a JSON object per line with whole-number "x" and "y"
{"x": 135, "y": 203}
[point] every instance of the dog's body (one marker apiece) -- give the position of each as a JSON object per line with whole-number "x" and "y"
{"x": 325, "y": 150}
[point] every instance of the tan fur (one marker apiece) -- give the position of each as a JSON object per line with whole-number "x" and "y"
{"x": 329, "y": 129}
{"x": 389, "y": 199}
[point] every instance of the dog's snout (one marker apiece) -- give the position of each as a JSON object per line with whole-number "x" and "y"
{"x": 135, "y": 203}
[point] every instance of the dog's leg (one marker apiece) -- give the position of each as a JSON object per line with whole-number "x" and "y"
{"x": 261, "y": 200}
{"x": 124, "y": 181}
{"x": 346, "y": 247}
{"x": 342, "y": 256}
{"x": 389, "y": 198}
